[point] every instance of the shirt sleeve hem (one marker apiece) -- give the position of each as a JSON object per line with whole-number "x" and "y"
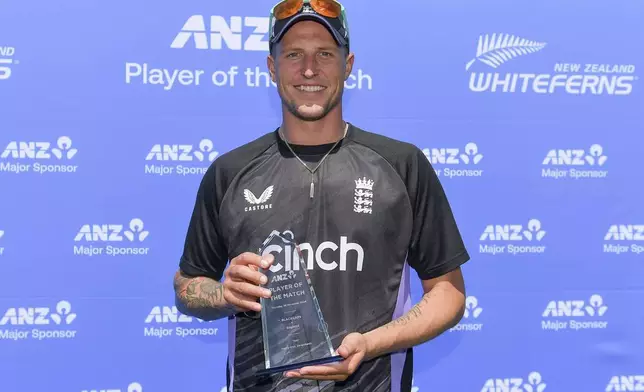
{"x": 445, "y": 267}
{"x": 190, "y": 269}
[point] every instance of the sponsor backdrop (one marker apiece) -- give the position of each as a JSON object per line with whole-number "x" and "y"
{"x": 530, "y": 113}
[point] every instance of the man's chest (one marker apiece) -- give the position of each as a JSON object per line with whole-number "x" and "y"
{"x": 351, "y": 209}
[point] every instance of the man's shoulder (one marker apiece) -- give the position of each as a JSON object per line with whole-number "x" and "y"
{"x": 235, "y": 159}
{"x": 228, "y": 165}
{"x": 395, "y": 151}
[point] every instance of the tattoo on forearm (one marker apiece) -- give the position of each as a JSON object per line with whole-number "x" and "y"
{"x": 203, "y": 293}
{"x": 414, "y": 313}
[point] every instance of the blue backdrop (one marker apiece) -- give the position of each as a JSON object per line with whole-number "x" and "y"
{"x": 531, "y": 114}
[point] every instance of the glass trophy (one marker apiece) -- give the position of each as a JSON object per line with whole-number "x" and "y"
{"x": 294, "y": 332}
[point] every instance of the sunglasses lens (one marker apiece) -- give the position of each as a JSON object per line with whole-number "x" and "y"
{"x": 328, "y": 8}
{"x": 287, "y": 8}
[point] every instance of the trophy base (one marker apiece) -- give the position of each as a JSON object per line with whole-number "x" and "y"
{"x": 299, "y": 365}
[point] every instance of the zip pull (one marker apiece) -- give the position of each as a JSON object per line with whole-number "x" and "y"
{"x": 312, "y": 188}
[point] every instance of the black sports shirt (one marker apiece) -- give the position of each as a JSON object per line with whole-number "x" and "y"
{"x": 378, "y": 208}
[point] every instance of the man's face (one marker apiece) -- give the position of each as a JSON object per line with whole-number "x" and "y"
{"x": 309, "y": 69}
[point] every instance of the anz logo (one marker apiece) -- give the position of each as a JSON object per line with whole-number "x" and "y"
{"x": 217, "y": 32}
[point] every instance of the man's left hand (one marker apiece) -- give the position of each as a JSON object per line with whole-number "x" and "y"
{"x": 353, "y": 349}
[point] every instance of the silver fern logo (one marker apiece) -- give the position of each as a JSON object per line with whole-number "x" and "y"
{"x": 490, "y": 72}
{"x": 495, "y": 50}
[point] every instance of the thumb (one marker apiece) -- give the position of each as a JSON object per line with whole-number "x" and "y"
{"x": 347, "y": 347}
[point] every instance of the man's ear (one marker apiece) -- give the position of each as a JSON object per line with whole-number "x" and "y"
{"x": 348, "y": 65}
{"x": 270, "y": 63}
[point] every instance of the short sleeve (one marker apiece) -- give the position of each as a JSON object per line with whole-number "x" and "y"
{"x": 436, "y": 245}
{"x": 204, "y": 252}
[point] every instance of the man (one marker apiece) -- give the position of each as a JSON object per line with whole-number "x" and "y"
{"x": 369, "y": 208}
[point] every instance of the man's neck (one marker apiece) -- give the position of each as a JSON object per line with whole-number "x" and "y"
{"x": 326, "y": 130}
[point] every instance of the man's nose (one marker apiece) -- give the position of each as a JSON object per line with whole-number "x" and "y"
{"x": 309, "y": 66}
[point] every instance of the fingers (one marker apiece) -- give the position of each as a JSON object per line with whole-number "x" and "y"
{"x": 249, "y": 258}
{"x": 325, "y": 372}
{"x": 242, "y": 301}
{"x": 243, "y": 279}
{"x": 249, "y": 290}
{"x": 244, "y": 295}
{"x": 242, "y": 273}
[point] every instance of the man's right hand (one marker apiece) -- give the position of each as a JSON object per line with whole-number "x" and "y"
{"x": 243, "y": 279}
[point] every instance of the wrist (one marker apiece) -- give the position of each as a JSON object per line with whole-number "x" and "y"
{"x": 371, "y": 345}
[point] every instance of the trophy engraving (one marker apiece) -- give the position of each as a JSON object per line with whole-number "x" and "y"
{"x": 293, "y": 327}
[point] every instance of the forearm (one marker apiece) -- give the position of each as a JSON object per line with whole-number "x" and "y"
{"x": 438, "y": 310}
{"x": 201, "y": 297}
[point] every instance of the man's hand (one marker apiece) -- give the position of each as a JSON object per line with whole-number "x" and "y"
{"x": 242, "y": 280}
{"x": 353, "y": 349}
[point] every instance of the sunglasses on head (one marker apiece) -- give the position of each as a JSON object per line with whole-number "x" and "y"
{"x": 288, "y": 8}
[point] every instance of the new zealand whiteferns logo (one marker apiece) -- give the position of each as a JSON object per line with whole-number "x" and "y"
{"x": 495, "y": 50}
{"x": 258, "y": 203}
{"x": 363, "y": 196}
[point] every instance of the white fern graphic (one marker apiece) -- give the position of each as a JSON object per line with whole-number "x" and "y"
{"x": 496, "y": 49}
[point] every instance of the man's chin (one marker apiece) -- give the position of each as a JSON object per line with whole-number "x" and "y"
{"x": 310, "y": 116}
{"x": 310, "y": 112}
